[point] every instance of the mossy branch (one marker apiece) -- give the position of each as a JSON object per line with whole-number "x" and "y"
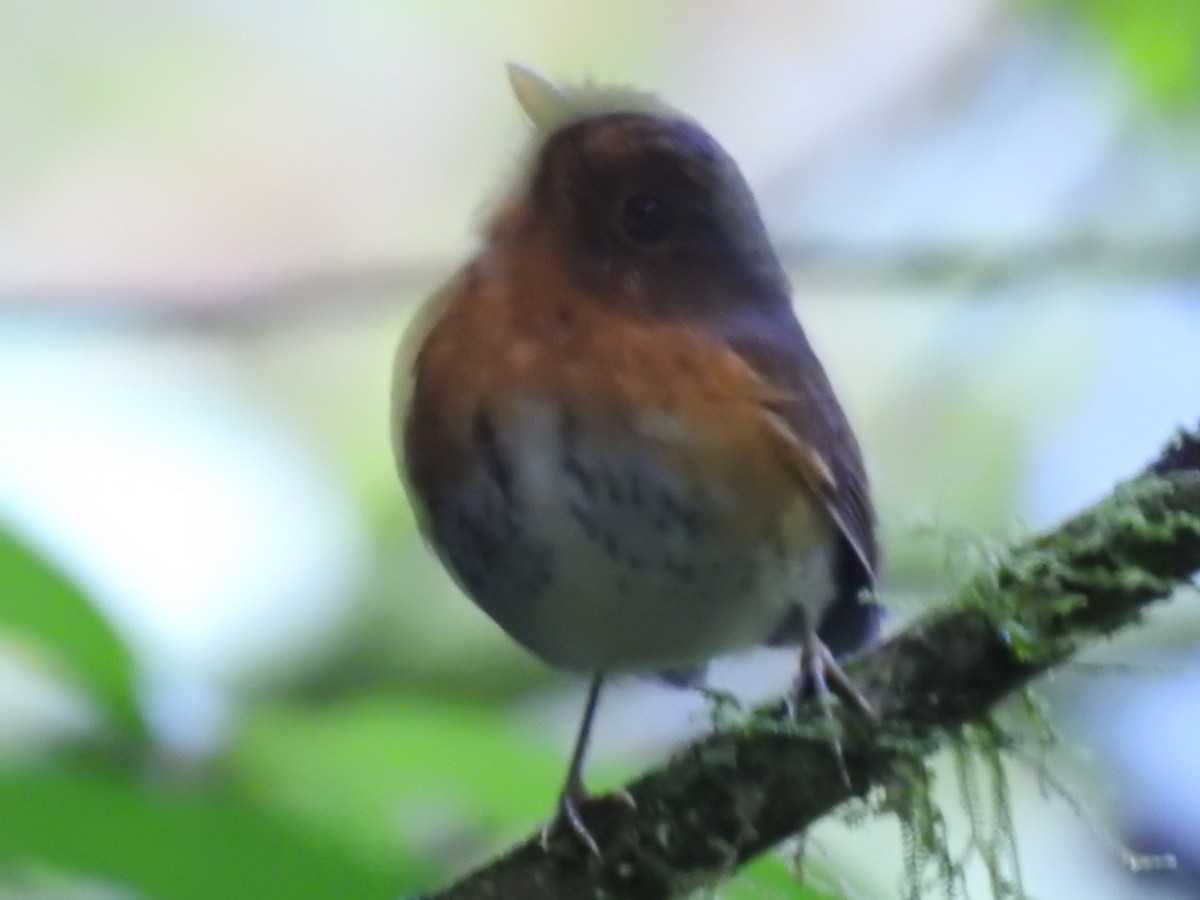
{"x": 735, "y": 794}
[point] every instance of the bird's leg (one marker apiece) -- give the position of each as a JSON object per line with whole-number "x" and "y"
{"x": 574, "y": 794}
{"x": 819, "y": 672}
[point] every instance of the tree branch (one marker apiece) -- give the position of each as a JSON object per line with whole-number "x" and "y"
{"x": 734, "y": 794}
{"x": 305, "y": 295}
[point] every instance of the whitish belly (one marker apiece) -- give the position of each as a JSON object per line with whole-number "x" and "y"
{"x": 603, "y": 563}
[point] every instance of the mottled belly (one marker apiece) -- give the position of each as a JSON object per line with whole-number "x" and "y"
{"x": 603, "y": 558}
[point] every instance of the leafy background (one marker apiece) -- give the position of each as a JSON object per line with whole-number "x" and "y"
{"x": 228, "y": 668}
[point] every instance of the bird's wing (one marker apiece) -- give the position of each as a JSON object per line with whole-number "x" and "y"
{"x": 813, "y": 433}
{"x": 813, "y": 469}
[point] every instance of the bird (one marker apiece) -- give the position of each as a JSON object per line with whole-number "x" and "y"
{"x": 613, "y": 430}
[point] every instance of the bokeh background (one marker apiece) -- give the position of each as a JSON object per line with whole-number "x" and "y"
{"x": 228, "y": 668}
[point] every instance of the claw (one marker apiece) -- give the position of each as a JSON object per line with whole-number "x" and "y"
{"x": 569, "y": 816}
{"x": 624, "y": 798}
{"x": 820, "y": 671}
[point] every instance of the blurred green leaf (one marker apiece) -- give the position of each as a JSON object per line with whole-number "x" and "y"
{"x": 382, "y": 773}
{"x": 171, "y": 841}
{"x": 39, "y": 603}
{"x": 771, "y": 877}
{"x": 1158, "y": 40}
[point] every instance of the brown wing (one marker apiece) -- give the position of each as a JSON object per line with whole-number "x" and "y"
{"x": 809, "y": 416}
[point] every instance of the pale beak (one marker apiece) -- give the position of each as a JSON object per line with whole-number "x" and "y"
{"x": 543, "y": 102}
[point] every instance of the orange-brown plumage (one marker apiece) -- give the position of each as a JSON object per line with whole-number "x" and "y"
{"x": 618, "y": 438}
{"x": 497, "y": 343}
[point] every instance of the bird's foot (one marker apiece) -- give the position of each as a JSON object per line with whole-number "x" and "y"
{"x": 822, "y": 677}
{"x": 569, "y": 816}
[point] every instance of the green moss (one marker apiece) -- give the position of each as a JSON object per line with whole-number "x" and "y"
{"x": 933, "y": 866}
{"x": 985, "y": 793}
{"x": 1031, "y": 591}
{"x": 981, "y": 752}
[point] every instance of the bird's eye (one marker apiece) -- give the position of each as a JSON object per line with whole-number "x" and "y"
{"x": 646, "y": 219}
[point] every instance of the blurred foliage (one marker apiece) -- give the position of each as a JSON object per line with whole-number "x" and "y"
{"x": 378, "y": 774}
{"x": 163, "y": 840}
{"x": 39, "y": 604}
{"x": 773, "y": 878}
{"x": 369, "y": 796}
{"x": 1159, "y": 42}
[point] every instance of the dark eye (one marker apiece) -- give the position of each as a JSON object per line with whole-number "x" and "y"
{"x": 646, "y": 219}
